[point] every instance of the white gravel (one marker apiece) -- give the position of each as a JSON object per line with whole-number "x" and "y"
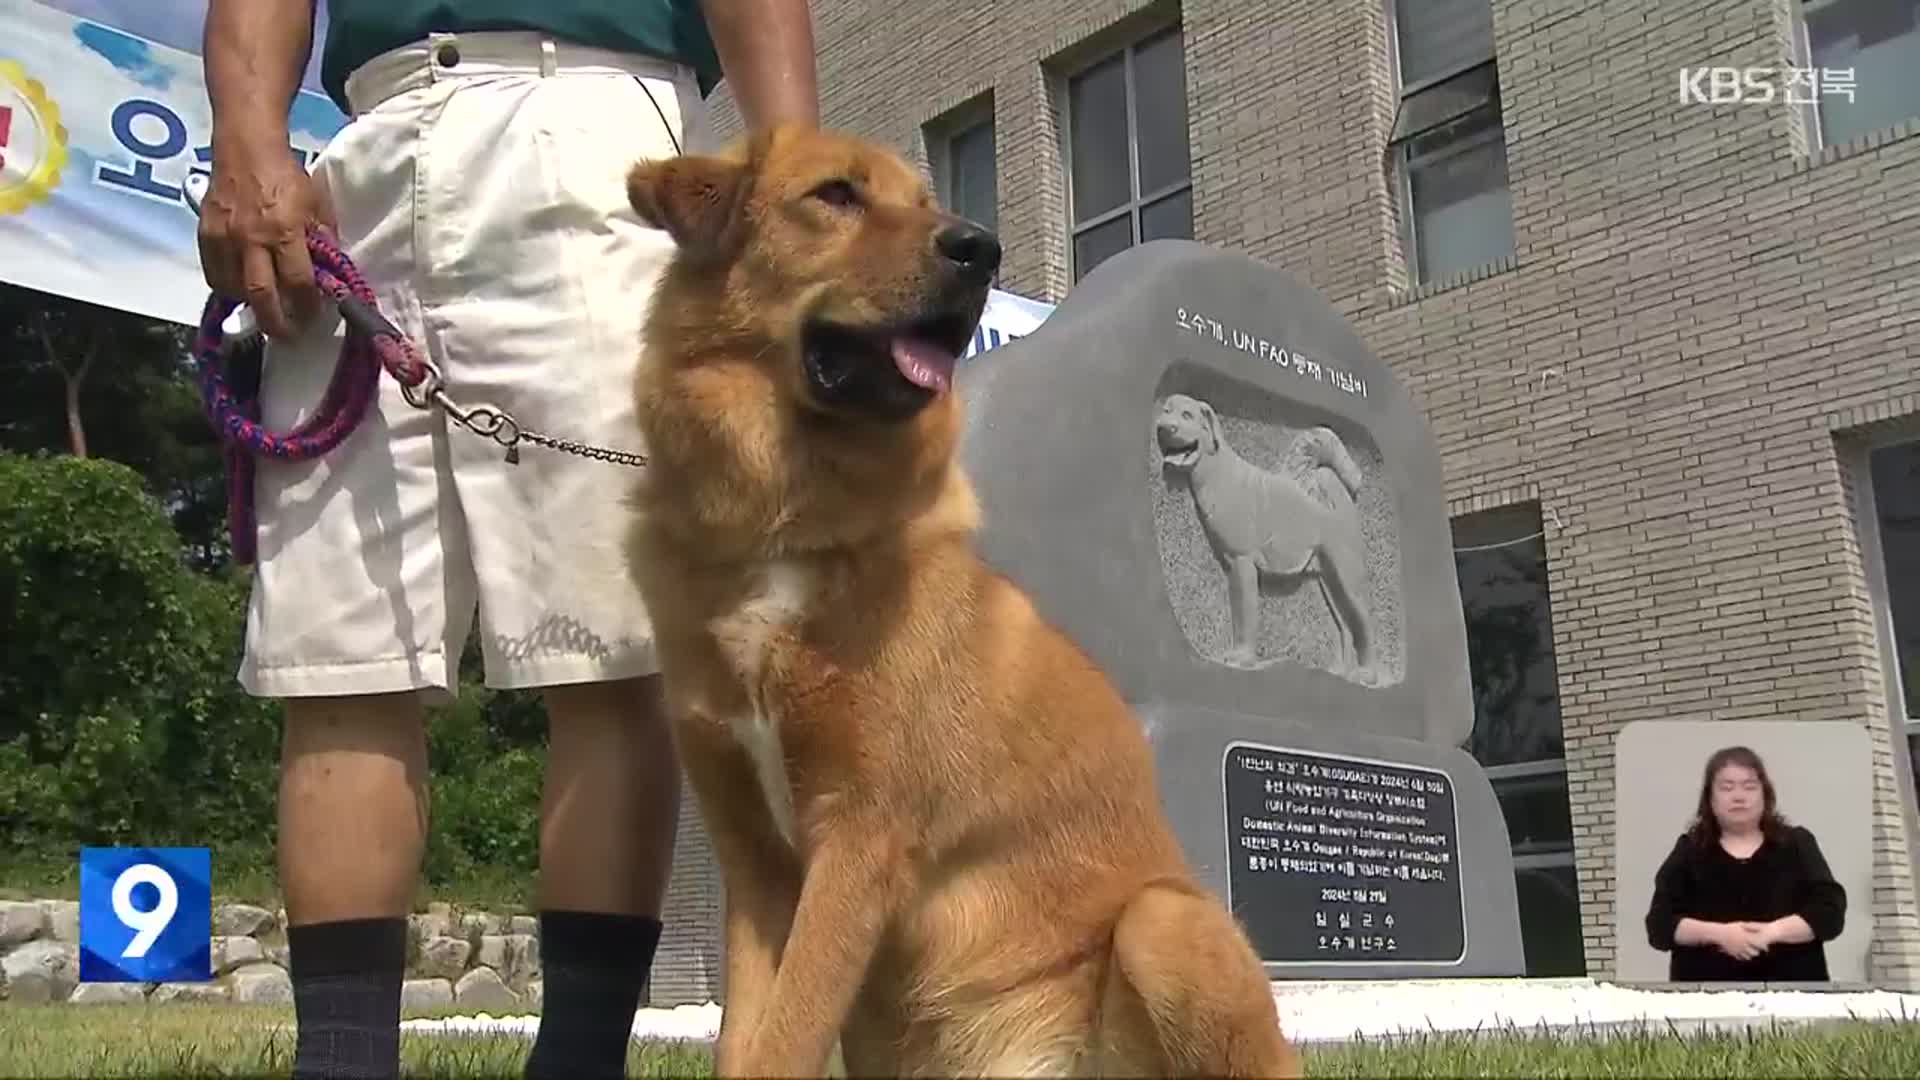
{"x": 682, "y": 1023}
{"x": 1315, "y": 1012}
{"x": 1338, "y": 1011}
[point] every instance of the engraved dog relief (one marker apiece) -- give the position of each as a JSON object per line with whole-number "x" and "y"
{"x": 1272, "y": 529}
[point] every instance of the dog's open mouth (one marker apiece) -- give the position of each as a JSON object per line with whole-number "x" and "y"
{"x": 1176, "y": 449}
{"x": 890, "y": 371}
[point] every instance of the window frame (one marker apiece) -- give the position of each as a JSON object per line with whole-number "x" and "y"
{"x": 1401, "y": 150}
{"x": 1535, "y": 855}
{"x": 1401, "y": 88}
{"x": 1137, "y": 200}
{"x": 1531, "y": 514}
{"x": 1903, "y": 716}
{"x": 1801, "y": 49}
{"x": 1408, "y": 161}
{"x": 945, "y": 132}
{"x": 1903, "y": 712}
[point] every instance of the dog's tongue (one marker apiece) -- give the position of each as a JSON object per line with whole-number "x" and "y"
{"x": 924, "y": 363}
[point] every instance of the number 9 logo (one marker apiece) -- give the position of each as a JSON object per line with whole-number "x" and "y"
{"x": 148, "y": 925}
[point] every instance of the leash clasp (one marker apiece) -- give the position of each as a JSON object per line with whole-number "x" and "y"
{"x": 431, "y": 387}
{"x": 488, "y": 421}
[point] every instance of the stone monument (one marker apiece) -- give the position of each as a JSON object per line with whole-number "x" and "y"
{"x": 1203, "y": 475}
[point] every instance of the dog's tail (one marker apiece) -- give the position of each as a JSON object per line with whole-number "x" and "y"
{"x": 1320, "y": 447}
{"x": 1183, "y": 962}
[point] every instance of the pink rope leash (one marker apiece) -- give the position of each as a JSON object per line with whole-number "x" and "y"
{"x": 230, "y": 372}
{"x": 230, "y": 380}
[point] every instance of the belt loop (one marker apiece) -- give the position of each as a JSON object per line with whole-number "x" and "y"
{"x": 549, "y": 59}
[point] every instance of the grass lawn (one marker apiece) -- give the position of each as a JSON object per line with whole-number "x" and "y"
{"x": 179, "y": 1040}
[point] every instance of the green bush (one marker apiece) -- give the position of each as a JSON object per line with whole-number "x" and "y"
{"x": 485, "y": 782}
{"x": 120, "y": 720}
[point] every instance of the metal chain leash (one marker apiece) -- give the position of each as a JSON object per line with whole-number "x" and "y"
{"x": 490, "y": 421}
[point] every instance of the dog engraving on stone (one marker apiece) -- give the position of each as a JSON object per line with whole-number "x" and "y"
{"x": 1282, "y": 526}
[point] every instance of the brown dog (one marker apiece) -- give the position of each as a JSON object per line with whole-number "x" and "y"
{"x": 938, "y": 823}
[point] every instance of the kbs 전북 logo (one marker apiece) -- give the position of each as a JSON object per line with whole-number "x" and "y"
{"x": 146, "y": 914}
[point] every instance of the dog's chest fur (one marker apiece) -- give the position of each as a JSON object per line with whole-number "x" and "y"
{"x": 746, "y": 637}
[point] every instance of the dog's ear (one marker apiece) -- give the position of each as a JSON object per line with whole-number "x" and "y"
{"x": 1212, "y": 420}
{"x": 698, "y": 200}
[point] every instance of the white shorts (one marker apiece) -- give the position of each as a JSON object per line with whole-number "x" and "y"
{"x": 481, "y": 189}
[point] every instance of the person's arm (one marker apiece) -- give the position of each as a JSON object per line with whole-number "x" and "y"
{"x": 255, "y": 51}
{"x": 1691, "y": 931}
{"x": 253, "y": 223}
{"x": 1667, "y": 922}
{"x": 766, "y": 53}
{"x": 1786, "y": 930}
{"x": 1822, "y": 900}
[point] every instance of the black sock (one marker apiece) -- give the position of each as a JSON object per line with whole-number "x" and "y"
{"x": 593, "y": 966}
{"x": 346, "y": 997}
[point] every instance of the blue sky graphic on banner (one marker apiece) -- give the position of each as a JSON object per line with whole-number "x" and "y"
{"x": 103, "y": 116}
{"x": 173, "y": 23}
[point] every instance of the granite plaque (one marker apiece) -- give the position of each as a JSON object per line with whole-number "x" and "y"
{"x": 1202, "y": 474}
{"x": 1338, "y": 859}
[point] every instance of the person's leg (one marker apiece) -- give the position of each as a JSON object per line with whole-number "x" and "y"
{"x": 607, "y": 822}
{"x": 362, "y": 596}
{"x": 353, "y": 826}
{"x": 612, "y": 799}
{"x": 542, "y": 275}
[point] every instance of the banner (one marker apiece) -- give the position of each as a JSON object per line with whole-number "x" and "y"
{"x": 1008, "y": 316}
{"x": 104, "y": 115}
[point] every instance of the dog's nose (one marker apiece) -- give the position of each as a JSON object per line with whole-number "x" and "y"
{"x": 974, "y": 250}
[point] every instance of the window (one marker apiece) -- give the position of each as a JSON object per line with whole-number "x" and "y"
{"x": 1129, "y": 176}
{"x": 1500, "y": 558}
{"x": 1896, "y": 496}
{"x": 1866, "y": 56}
{"x": 963, "y": 166}
{"x": 1448, "y": 140}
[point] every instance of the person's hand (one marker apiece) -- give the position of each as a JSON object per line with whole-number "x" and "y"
{"x": 1764, "y": 934}
{"x": 253, "y": 234}
{"x": 1740, "y": 940}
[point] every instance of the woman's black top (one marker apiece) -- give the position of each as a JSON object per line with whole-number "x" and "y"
{"x": 1784, "y": 876}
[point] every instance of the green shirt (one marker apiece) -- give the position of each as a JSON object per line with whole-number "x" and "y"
{"x": 359, "y": 30}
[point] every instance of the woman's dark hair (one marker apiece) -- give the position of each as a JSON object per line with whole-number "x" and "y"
{"x": 1705, "y": 830}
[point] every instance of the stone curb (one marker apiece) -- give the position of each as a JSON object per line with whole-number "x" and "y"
{"x": 472, "y": 959}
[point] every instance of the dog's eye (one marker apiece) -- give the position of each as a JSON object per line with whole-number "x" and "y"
{"x": 837, "y": 193}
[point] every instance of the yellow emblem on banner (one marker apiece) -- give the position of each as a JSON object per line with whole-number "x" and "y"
{"x": 33, "y": 145}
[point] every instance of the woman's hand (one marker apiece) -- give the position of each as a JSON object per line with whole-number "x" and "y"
{"x": 1786, "y": 930}
{"x": 1742, "y": 940}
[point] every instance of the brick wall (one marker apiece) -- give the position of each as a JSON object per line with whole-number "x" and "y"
{"x": 1699, "y": 321}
